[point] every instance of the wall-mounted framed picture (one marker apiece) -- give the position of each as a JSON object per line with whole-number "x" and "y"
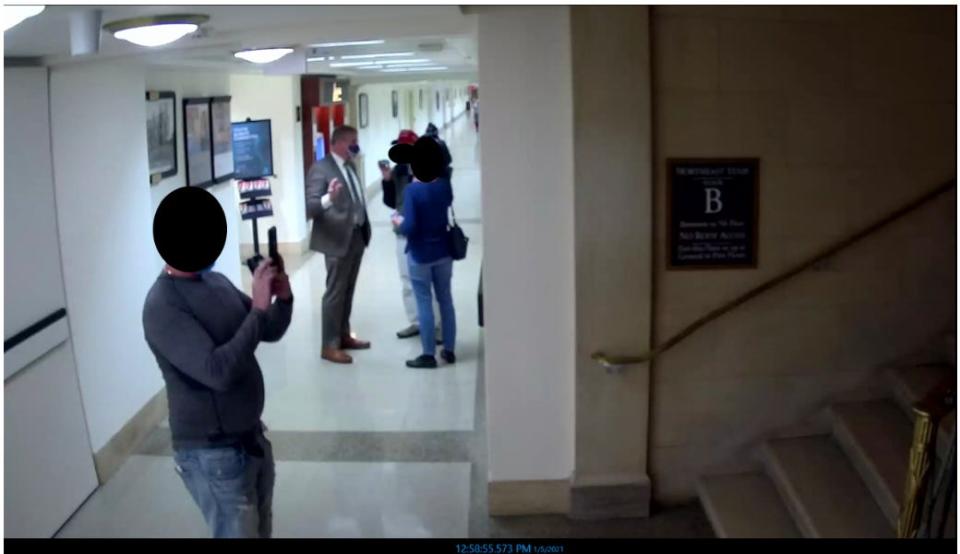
{"x": 198, "y": 142}
{"x": 395, "y": 103}
{"x": 438, "y": 100}
{"x": 421, "y": 98}
{"x": 364, "y": 106}
{"x": 161, "y": 135}
{"x": 222, "y": 136}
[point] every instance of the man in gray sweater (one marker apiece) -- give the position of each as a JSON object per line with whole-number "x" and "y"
{"x": 204, "y": 332}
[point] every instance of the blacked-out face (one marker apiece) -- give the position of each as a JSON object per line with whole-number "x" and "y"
{"x": 425, "y": 158}
{"x": 190, "y": 229}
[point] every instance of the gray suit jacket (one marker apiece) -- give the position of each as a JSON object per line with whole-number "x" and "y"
{"x": 332, "y": 227}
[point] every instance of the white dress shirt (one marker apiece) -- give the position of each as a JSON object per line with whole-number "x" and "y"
{"x": 341, "y": 165}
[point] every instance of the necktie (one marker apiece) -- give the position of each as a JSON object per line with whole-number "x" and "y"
{"x": 358, "y": 197}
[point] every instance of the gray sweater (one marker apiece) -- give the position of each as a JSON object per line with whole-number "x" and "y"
{"x": 203, "y": 333}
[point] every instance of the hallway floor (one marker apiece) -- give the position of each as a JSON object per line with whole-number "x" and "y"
{"x": 372, "y": 449}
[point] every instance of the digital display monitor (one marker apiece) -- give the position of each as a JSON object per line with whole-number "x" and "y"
{"x": 252, "y": 150}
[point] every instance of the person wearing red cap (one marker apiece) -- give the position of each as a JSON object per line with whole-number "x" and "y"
{"x": 394, "y": 182}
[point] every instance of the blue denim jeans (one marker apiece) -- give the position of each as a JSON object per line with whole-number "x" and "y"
{"x": 233, "y": 488}
{"x": 428, "y": 279}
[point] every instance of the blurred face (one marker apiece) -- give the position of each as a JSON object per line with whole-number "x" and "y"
{"x": 343, "y": 146}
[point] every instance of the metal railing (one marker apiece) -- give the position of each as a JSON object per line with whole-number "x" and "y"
{"x": 616, "y": 363}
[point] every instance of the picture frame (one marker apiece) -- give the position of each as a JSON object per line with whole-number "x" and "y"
{"x": 395, "y": 104}
{"x": 161, "y": 135}
{"x": 197, "y": 142}
{"x": 221, "y": 130}
{"x": 364, "y": 106}
{"x": 438, "y": 100}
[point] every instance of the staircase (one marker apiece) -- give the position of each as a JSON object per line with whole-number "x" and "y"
{"x": 846, "y": 484}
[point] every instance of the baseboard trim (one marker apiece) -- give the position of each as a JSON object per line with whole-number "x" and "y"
{"x": 517, "y": 498}
{"x": 123, "y": 444}
{"x": 611, "y": 498}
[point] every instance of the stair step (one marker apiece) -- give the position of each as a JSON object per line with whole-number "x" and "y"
{"x": 911, "y": 384}
{"x": 823, "y": 491}
{"x": 876, "y": 437}
{"x": 745, "y": 506}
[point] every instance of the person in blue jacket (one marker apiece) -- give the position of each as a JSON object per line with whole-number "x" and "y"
{"x": 424, "y": 222}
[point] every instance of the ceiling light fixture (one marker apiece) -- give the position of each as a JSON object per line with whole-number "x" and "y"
{"x": 352, "y": 64}
{"x": 263, "y": 55}
{"x": 387, "y": 55}
{"x": 14, "y": 15}
{"x": 399, "y": 63}
{"x": 320, "y": 59}
{"x": 155, "y": 30}
{"x": 350, "y": 43}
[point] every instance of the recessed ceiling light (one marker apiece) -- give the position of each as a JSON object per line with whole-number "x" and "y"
{"x": 14, "y": 15}
{"x": 155, "y": 30}
{"x": 263, "y": 55}
{"x": 404, "y": 62}
{"x": 349, "y": 43}
{"x": 351, "y": 64}
{"x": 320, "y": 59}
{"x": 387, "y": 55}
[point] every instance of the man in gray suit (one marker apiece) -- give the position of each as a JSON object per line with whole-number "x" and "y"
{"x": 341, "y": 231}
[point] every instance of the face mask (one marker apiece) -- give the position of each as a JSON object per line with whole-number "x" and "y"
{"x": 355, "y": 150}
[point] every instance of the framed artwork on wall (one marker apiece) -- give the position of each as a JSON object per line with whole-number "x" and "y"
{"x": 438, "y": 100}
{"x": 161, "y": 135}
{"x": 395, "y": 103}
{"x": 198, "y": 142}
{"x": 364, "y": 106}
{"x": 222, "y": 132}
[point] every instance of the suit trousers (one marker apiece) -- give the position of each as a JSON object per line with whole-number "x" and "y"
{"x": 342, "y": 275}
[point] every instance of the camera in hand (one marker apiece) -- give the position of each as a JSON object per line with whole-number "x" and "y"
{"x": 272, "y": 250}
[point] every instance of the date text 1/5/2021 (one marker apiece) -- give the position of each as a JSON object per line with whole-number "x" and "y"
{"x": 503, "y": 548}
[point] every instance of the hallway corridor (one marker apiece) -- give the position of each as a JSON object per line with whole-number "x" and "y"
{"x": 372, "y": 449}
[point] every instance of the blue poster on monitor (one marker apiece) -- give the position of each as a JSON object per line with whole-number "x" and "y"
{"x": 252, "y": 150}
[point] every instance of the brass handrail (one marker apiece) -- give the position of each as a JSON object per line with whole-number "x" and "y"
{"x": 653, "y": 353}
{"x": 928, "y": 413}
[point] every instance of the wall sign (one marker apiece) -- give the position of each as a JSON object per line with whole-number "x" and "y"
{"x": 712, "y": 207}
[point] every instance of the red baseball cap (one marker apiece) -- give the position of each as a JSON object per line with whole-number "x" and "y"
{"x": 406, "y": 137}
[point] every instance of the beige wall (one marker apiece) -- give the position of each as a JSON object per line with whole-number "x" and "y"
{"x": 612, "y": 192}
{"x": 852, "y": 112}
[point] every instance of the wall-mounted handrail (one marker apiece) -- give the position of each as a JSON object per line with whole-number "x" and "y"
{"x": 616, "y": 361}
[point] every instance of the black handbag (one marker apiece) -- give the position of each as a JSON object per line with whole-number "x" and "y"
{"x": 458, "y": 240}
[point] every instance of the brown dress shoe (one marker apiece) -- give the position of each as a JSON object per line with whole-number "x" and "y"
{"x": 336, "y": 356}
{"x": 351, "y": 343}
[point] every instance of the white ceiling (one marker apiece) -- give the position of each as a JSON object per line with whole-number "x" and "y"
{"x": 232, "y": 28}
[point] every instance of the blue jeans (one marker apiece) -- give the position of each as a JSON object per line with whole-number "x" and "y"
{"x": 428, "y": 279}
{"x": 233, "y": 488}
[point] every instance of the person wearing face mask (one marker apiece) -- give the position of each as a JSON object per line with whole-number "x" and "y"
{"x": 341, "y": 232}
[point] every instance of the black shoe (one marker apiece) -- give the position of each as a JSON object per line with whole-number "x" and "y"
{"x": 410, "y": 331}
{"x": 448, "y": 357}
{"x": 423, "y": 362}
